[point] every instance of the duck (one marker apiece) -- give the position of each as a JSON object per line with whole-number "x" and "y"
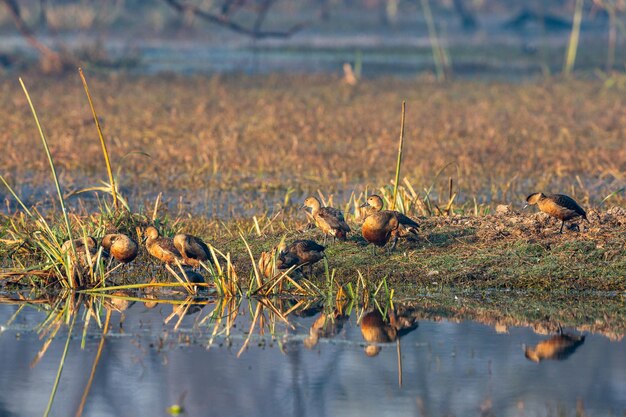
{"x": 120, "y": 246}
{"x": 161, "y": 248}
{"x": 84, "y": 259}
{"x": 192, "y": 248}
{"x": 301, "y": 252}
{"x": 374, "y": 204}
{"x": 330, "y": 220}
{"x": 382, "y": 225}
{"x": 558, "y": 347}
{"x": 560, "y": 206}
{"x": 86, "y": 247}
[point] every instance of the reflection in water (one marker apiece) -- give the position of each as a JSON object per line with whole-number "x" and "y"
{"x": 327, "y": 325}
{"x": 377, "y": 330}
{"x": 559, "y": 347}
{"x": 275, "y": 356}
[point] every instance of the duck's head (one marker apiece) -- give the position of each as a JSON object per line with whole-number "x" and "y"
{"x": 286, "y": 260}
{"x": 311, "y": 203}
{"x": 151, "y": 233}
{"x": 108, "y": 240}
{"x": 534, "y": 198}
{"x": 374, "y": 201}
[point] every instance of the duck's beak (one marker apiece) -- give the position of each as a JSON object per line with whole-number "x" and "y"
{"x": 525, "y": 206}
{"x": 366, "y": 204}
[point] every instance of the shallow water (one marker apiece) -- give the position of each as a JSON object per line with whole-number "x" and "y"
{"x": 448, "y": 368}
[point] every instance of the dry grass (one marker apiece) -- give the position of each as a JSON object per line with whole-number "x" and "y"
{"x": 244, "y": 151}
{"x": 259, "y": 138}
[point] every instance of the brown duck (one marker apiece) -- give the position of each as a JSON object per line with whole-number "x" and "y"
{"x": 161, "y": 248}
{"x": 300, "y": 253}
{"x": 562, "y": 207}
{"x": 86, "y": 247}
{"x": 558, "y": 347}
{"x": 120, "y": 246}
{"x": 382, "y": 225}
{"x": 330, "y": 220}
{"x": 192, "y": 248}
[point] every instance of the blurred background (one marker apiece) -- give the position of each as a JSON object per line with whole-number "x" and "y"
{"x": 501, "y": 39}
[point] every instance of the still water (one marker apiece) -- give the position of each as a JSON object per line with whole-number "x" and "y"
{"x": 263, "y": 358}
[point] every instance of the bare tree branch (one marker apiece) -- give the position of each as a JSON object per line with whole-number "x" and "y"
{"x": 224, "y": 20}
{"x": 14, "y": 11}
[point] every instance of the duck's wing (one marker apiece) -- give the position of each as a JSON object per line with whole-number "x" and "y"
{"x": 406, "y": 221}
{"x": 334, "y": 218}
{"x": 308, "y": 245}
{"x": 168, "y": 245}
{"x": 198, "y": 249}
{"x": 569, "y": 203}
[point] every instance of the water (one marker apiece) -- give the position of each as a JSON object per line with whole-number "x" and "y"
{"x": 448, "y": 369}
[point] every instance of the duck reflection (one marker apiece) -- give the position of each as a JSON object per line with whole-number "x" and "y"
{"x": 558, "y": 347}
{"x": 377, "y": 329}
{"x": 327, "y": 325}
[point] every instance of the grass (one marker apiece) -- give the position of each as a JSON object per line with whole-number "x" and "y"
{"x": 216, "y": 138}
{"x": 484, "y": 147}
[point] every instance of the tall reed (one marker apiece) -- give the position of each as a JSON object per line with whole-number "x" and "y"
{"x": 438, "y": 54}
{"x": 399, "y": 162}
{"x": 54, "y": 176}
{"x": 573, "y": 39}
{"x": 107, "y": 160}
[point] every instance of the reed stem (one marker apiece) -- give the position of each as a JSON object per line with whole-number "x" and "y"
{"x": 434, "y": 42}
{"x": 102, "y": 141}
{"x": 399, "y": 162}
{"x": 54, "y": 176}
{"x": 573, "y": 39}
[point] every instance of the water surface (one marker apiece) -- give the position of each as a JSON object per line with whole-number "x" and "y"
{"x": 434, "y": 368}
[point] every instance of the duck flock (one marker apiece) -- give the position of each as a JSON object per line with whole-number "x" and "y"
{"x": 379, "y": 228}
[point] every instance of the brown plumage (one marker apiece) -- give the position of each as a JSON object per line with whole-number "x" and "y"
{"x": 301, "y": 253}
{"x": 406, "y": 226}
{"x": 330, "y": 220}
{"x": 557, "y": 347}
{"x": 192, "y": 248}
{"x": 381, "y": 226}
{"x": 161, "y": 248}
{"x": 120, "y": 246}
{"x": 85, "y": 248}
{"x": 559, "y": 206}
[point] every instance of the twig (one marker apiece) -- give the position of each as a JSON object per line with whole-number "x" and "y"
{"x": 224, "y": 20}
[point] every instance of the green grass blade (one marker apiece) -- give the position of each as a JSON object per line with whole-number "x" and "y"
{"x": 399, "y": 162}
{"x": 573, "y": 39}
{"x": 15, "y": 196}
{"x": 105, "y": 152}
{"x": 54, "y": 176}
